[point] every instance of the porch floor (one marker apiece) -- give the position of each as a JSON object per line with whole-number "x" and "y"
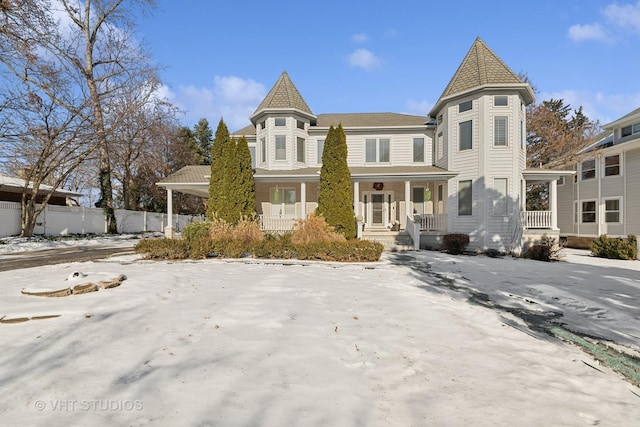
{"x": 391, "y": 240}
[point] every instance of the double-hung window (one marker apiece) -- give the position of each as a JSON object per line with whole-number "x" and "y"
{"x": 465, "y": 199}
{"x": 612, "y": 210}
{"x": 378, "y": 150}
{"x": 300, "y": 150}
{"x": 500, "y": 131}
{"x": 263, "y": 150}
{"x": 588, "y": 169}
{"x": 281, "y": 147}
{"x": 465, "y": 135}
{"x": 320, "y": 150}
{"x": 612, "y": 165}
{"x": 418, "y": 150}
{"x": 589, "y": 211}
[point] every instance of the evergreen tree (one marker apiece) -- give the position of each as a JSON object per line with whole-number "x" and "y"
{"x": 202, "y": 134}
{"x": 230, "y": 211}
{"x": 217, "y": 195}
{"x": 245, "y": 185}
{"x": 335, "y": 200}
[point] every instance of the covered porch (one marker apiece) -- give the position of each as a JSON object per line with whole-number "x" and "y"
{"x": 542, "y": 219}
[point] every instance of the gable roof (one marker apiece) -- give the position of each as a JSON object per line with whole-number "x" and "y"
{"x": 635, "y": 114}
{"x": 482, "y": 68}
{"x": 283, "y": 96}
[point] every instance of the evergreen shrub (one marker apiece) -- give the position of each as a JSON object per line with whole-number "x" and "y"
{"x": 615, "y": 248}
{"x": 196, "y": 230}
{"x": 455, "y": 243}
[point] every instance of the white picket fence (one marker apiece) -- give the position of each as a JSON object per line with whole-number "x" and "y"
{"x": 63, "y": 220}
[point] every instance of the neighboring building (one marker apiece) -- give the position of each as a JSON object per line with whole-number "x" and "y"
{"x": 460, "y": 169}
{"x": 604, "y": 197}
{"x": 11, "y": 191}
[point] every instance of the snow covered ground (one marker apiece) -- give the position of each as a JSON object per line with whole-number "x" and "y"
{"x": 253, "y": 343}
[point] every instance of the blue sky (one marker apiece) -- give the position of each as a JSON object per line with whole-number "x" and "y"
{"x": 219, "y": 59}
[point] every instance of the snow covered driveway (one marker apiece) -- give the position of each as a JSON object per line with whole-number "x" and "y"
{"x": 266, "y": 344}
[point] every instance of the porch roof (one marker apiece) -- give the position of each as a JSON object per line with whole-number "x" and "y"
{"x": 544, "y": 175}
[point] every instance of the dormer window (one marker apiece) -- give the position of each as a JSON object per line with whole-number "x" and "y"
{"x": 281, "y": 121}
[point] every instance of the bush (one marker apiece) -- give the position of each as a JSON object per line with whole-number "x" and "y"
{"x": 344, "y": 251}
{"x": 455, "y": 243}
{"x": 615, "y": 248}
{"x": 247, "y": 231}
{"x": 274, "y": 246}
{"x": 196, "y": 230}
{"x": 163, "y": 248}
{"x": 547, "y": 250}
{"x": 313, "y": 230}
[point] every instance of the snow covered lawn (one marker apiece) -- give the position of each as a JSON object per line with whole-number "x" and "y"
{"x": 251, "y": 343}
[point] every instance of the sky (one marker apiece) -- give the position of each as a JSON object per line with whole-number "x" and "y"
{"x": 219, "y": 59}
{"x": 245, "y": 342}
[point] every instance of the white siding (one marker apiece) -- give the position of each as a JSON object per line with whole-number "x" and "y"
{"x": 632, "y": 197}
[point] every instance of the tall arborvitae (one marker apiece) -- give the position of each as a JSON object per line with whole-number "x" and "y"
{"x": 335, "y": 199}
{"x": 230, "y": 212}
{"x": 245, "y": 185}
{"x": 216, "y": 183}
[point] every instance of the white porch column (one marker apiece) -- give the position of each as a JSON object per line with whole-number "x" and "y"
{"x": 356, "y": 198}
{"x": 169, "y": 231}
{"x": 407, "y": 200}
{"x": 303, "y": 200}
{"x": 553, "y": 203}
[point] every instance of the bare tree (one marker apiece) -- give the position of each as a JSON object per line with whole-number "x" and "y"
{"x": 91, "y": 41}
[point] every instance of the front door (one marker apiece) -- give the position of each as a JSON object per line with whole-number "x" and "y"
{"x": 378, "y": 208}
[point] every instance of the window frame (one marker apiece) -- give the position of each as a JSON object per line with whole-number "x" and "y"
{"x": 589, "y": 212}
{"x": 280, "y": 139}
{"x": 460, "y": 130}
{"x": 465, "y": 106}
{"x": 465, "y": 201}
{"x": 500, "y": 97}
{"x": 505, "y": 119}
{"x": 378, "y": 144}
{"x": 617, "y": 211}
{"x": 319, "y": 150}
{"x": 588, "y": 173}
{"x": 263, "y": 148}
{"x": 281, "y": 120}
{"x": 423, "y": 155}
{"x": 300, "y": 149}
{"x": 300, "y": 124}
{"x": 615, "y": 166}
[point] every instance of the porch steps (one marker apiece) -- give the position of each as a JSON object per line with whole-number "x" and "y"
{"x": 392, "y": 240}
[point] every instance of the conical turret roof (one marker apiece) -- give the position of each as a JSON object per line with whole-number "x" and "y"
{"x": 284, "y": 95}
{"x": 481, "y": 67}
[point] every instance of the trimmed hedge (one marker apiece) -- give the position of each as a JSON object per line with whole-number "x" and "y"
{"x": 279, "y": 247}
{"x": 615, "y": 248}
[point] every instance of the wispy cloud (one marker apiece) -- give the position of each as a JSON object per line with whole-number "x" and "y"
{"x": 579, "y": 33}
{"x": 418, "y": 108}
{"x": 617, "y": 20}
{"x": 360, "y": 38}
{"x": 232, "y": 98}
{"x": 597, "y": 105}
{"x": 365, "y": 59}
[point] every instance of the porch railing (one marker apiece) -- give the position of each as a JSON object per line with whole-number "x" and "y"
{"x": 433, "y": 222}
{"x": 537, "y": 219}
{"x": 277, "y": 223}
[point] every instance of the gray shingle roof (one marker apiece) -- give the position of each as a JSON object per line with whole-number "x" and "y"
{"x": 480, "y": 67}
{"x": 284, "y": 94}
{"x": 189, "y": 174}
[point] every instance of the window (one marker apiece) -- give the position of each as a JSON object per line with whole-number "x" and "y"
{"x": 561, "y": 180}
{"x": 283, "y": 201}
{"x": 300, "y": 124}
{"x": 588, "y": 169}
{"x": 612, "y": 165}
{"x": 418, "y": 200}
{"x": 575, "y": 212}
{"x": 500, "y": 198}
{"x": 281, "y": 147}
{"x": 377, "y": 150}
{"x": 626, "y": 131}
{"x": 521, "y": 134}
{"x": 300, "y": 150}
{"x": 464, "y": 198}
{"x": 418, "y": 150}
{"x": 500, "y": 131}
{"x": 440, "y": 147}
{"x": 263, "y": 125}
{"x": 465, "y": 106}
{"x": 589, "y": 211}
{"x": 320, "y": 150}
{"x": 501, "y": 100}
{"x": 612, "y": 210}
{"x": 263, "y": 150}
{"x": 440, "y": 192}
{"x": 252, "y": 151}
{"x": 465, "y": 135}
{"x": 281, "y": 121}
